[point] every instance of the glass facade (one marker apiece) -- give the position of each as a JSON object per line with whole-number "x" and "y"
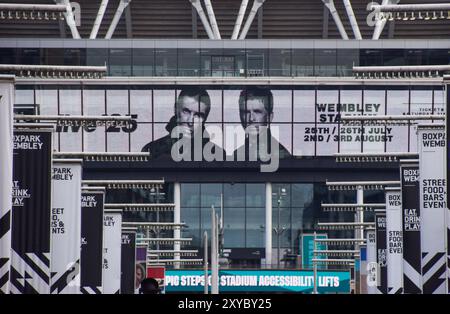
{"x": 225, "y": 62}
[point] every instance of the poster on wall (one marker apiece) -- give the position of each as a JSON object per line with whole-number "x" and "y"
{"x": 31, "y": 199}
{"x": 66, "y": 226}
{"x": 6, "y": 175}
{"x": 92, "y": 202}
{"x": 141, "y": 265}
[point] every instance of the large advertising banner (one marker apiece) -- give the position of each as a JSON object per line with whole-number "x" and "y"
{"x": 372, "y": 265}
{"x": 302, "y": 120}
{"x": 380, "y": 229}
{"x": 230, "y": 280}
{"x": 66, "y": 226}
{"x": 6, "y": 175}
{"x": 433, "y": 207}
{"x": 92, "y": 203}
{"x": 112, "y": 224}
{"x": 31, "y": 199}
{"x": 128, "y": 264}
{"x": 412, "y": 265}
{"x": 394, "y": 240}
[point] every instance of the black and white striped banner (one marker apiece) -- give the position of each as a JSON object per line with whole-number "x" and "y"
{"x": 394, "y": 233}
{"x": 412, "y": 269}
{"x": 128, "y": 265}
{"x": 30, "y": 254}
{"x": 112, "y": 251}
{"x": 380, "y": 229}
{"x": 433, "y": 207}
{"x": 6, "y": 175}
{"x": 66, "y": 226}
{"x": 92, "y": 203}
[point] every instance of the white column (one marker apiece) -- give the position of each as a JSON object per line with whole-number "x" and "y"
{"x": 214, "y": 255}
{"x": 177, "y": 220}
{"x": 268, "y": 229}
{"x": 359, "y": 212}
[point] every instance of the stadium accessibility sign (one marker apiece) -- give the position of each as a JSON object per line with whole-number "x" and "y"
{"x": 293, "y": 281}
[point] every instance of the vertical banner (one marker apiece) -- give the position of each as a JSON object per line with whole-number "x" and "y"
{"x": 412, "y": 269}
{"x": 141, "y": 265}
{"x": 380, "y": 229}
{"x": 372, "y": 265}
{"x": 363, "y": 269}
{"x": 447, "y": 173}
{"x": 31, "y": 197}
{"x": 433, "y": 207}
{"x": 394, "y": 240}
{"x": 66, "y": 226}
{"x": 6, "y": 176}
{"x": 128, "y": 277}
{"x": 91, "y": 241}
{"x": 112, "y": 224}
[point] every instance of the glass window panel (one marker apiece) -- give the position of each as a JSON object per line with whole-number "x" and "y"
{"x": 163, "y": 105}
{"x": 75, "y": 56}
{"x": 190, "y": 194}
{"x": 282, "y": 105}
{"x": 143, "y": 62}
{"x": 97, "y": 56}
{"x": 239, "y": 62}
{"x": 53, "y": 56}
{"x": 234, "y": 195}
{"x": 165, "y": 62}
{"x": 346, "y": 59}
{"x": 370, "y": 57}
{"x": 416, "y": 57}
{"x": 255, "y": 224}
{"x": 257, "y": 62}
{"x": 377, "y": 99}
{"x": 188, "y": 62}
{"x": 210, "y": 195}
{"x": 351, "y": 136}
{"x": 281, "y": 221}
{"x": 304, "y": 105}
{"x": 29, "y": 56}
{"x": 255, "y": 195}
{"x": 304, "y": 139}
{"x": 281, "y": 193}
{"x": 119, "y": 62}
{"x": 297, "y": 224}
{"x": 8, "y": 56}
{"x": 47, "y": 100}
{"x": 439, "y": 56}
{"x": 94, "y": 104}
{"x": 191, "y": 217}
{"x": 302, "y": 194}
{"x": 234, "y": 227}
{"x": 302, "y": 62}
{"x": 205, "y": 220}
{"x": 393, "y": 57}
{"x": 141, "y": 104}
{"x": 279, "y": 62}
{"x": 325, "y": 62}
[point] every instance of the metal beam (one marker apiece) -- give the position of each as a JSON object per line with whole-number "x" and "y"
{"x": 212, "y": 19}
{"x": 256, "y": 5}
{"x": 352, "y": 18}
{"x": 70, "y": 20}
{"x": 122, "y": 5}
{"x": 239, "y": 19}
{"x": 128, "y": 22}
{"x": 99, "y": 19}
{"x": 198, "y": 6}
{"x": 334, "y": 13}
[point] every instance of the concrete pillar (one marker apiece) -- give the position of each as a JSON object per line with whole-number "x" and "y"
{"x": 177, "y": 219}
{"x": 268, "y": 229}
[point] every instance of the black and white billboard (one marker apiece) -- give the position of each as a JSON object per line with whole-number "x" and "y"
{"x": 6, "y": 175}
{"x": 433, "y": 207}
{"x": 128, "y": 264}
{"x": 66, "y": 226}
{"x": 31, "y": 199}
{"x": 411, "y": 219}
{"x": 92, "y": 203}
{"x": 380, "y": 227}
{"x": 226, "y": 122}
